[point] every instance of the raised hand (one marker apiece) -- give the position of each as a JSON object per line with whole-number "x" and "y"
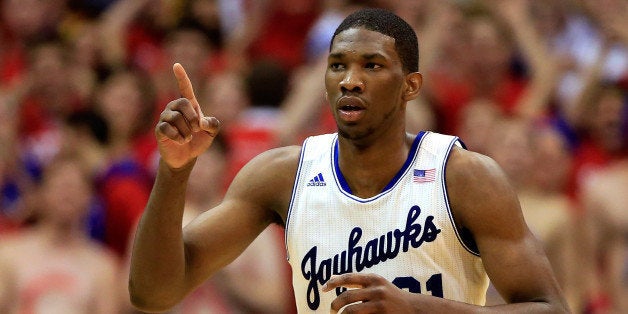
{"x": 183, "y": 132}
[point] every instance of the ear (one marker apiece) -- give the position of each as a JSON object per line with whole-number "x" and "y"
{"x": 413, "y": 84}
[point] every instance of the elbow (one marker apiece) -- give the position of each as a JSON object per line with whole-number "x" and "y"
{"x": 147, "y": 300}
{"x": 562, "y": 307}
{"x": 558, "y": 306}
{"x": 148, "y": 306}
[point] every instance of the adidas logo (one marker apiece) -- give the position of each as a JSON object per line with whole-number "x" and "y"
{"x": 317, "y": 181}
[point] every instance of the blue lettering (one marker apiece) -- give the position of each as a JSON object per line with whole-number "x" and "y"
{"x": 375, "y": 251}
{"x": 313, "y": 297}
{"x": 370, "y": 253}
{"x": 354, "y": 238}
{"x": 412, "y": 231}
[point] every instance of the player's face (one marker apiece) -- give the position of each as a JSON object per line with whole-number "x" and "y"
{"x": 365, "y": 84}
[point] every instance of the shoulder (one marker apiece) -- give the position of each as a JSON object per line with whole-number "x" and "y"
{"x": 479, "y": 191}
{"x": 470, "y": 167}
{"x": 267, "y": 180}
{"x": 603, "y": 182}
{"x": 277, "y": 161}
{"x": 99, "y": 257}
{"x": 18, "y": 243}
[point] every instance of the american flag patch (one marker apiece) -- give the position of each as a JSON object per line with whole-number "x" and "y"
{"x": 422, "y": 176}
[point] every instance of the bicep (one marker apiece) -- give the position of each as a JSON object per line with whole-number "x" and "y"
{"x": 218, "y": 236}
{"x": 517, "y": 267}
{"x": 484, "y": 202}
{"x": 252, "y": 203}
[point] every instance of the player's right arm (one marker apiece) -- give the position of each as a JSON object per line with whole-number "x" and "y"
{"x": 167, "y": 262}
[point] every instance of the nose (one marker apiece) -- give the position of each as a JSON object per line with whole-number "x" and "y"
{"x": 352, "y": 82}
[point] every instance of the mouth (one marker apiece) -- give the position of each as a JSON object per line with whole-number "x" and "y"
{"x": 350, "y": 103}
{"x": 350, "y": 108}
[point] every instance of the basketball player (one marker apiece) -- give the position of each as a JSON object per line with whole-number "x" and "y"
{"x": 406, "y": 222}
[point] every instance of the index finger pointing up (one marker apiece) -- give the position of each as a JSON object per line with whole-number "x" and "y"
{"x": 185, "y": 86}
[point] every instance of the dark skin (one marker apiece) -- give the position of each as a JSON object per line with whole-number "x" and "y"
{"x": 367, "y": 88}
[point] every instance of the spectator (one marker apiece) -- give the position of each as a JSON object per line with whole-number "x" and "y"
{"x": 603, "y": 134}
{"x": 54, "y": 266}
{"x": 124, "y": 184}
{"x": 48, "y": 97}
{"x": 552, "y": 215}
{"x": 85, "y": 134}
{"x": 604, "y": 196}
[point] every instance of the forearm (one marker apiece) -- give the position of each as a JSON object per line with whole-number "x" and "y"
{"x": 576, "y": 108}
{"x": 528, "y": 307}
{"x": 157, "y": 275}
{"x": 439, "y": 305}
{"x": 545, "y": 68}
{"x": 300, "y": 105}
{"x": 113, "y": 26}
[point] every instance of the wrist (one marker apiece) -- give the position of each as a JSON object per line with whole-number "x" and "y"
{"x": 175, "y": 171}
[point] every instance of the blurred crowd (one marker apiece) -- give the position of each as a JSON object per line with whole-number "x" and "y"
{"x": 540, "y": 86}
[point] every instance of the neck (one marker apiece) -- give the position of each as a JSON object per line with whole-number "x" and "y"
{"x": 62, "y": 233}
{"x": 368, "y": 169}
{"x": 119, "y": 148}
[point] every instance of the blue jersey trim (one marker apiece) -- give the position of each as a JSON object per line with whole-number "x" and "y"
{"x": 344, "y": 186}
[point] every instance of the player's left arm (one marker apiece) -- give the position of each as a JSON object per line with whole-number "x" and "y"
{"x": 483, "y": 201}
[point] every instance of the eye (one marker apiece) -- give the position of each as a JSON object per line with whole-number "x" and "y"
{"x": 372, "y": 65}
{"x": 336, "y": 66}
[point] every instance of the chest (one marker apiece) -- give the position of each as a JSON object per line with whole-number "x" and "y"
{"x": 54, "y": 281}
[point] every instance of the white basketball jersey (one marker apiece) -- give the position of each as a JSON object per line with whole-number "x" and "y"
{"x": 406, "y": 233}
